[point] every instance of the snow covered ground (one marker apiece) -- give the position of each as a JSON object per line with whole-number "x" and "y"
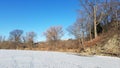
{"x": 46, "y": 59}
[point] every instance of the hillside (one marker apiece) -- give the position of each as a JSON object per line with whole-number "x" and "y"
{"x": 108, "y": 44}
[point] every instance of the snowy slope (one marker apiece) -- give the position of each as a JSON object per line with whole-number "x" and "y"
{"x": 45, "y": 59}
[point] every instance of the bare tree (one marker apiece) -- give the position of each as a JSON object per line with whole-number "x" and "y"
{"x": 75, "y": 30}
{"x": 30, "y": 39}
{"x": 78, "y": 30}
{"x": 15, "y": 36}
{"x": 89, "y": 29}
{"x": 94, "y": 11}
{"x": 2, "y": 38}
{"x": 115, "y": 10}
{"x": 54, "y": 33}
{"x": 111, "y": 9}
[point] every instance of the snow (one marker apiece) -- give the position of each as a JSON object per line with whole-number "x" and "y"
{"x": 47, "y": 59}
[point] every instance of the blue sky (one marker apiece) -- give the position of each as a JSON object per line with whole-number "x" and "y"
{"x": 36, "y": 15}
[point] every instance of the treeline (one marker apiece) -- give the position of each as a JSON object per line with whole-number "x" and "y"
{"x": 18, "y": 40}
{"x": 94, "y": 18}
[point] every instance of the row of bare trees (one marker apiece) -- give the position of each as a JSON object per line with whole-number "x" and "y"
{"x": 17, "y": 40}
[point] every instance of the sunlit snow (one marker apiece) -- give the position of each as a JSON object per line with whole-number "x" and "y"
{"x": 47, "y": 59}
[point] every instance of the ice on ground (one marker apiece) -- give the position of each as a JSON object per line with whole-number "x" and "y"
{"x": 46, "y": 59}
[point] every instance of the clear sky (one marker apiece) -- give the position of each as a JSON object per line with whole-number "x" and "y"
{"x": 36, "y": 15}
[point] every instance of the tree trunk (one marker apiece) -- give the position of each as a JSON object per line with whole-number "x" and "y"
{"x": 90, "y": 33}
{"x": 116, "y": 20}
{"x": 83, "y": 39}
{"x": 95, "y": 22}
